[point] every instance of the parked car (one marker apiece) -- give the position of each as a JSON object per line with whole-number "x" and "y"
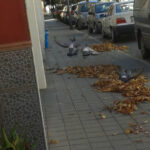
{"x": 81, "y": 13}
{"x": 57, "y": 11}
{"x": 119, "y": 20}
{"x": 95, "y": 14}
{"x": 72, "y": 11}
{"x": 65, "y": 14}
{"x": 142, "y": 26}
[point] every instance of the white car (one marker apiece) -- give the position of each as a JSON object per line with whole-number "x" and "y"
{"x": 118, "y": 20}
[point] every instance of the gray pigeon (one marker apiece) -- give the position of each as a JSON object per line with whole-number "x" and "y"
{"x": 127, "y": 74}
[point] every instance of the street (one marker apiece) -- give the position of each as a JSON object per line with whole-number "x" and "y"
{"x": 72, "y": 107}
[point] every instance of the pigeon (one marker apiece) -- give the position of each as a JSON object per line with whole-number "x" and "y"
{"x": 127, "y": 74}
{"x": 74, "y": 47}
{"x": 88, "y": 51}
{"x": 72, "y": 50}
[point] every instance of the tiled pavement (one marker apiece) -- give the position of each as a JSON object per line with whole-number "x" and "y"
{"x": 72, "y": 106}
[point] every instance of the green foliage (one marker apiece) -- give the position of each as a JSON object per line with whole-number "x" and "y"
{"x": 14, "y": 142}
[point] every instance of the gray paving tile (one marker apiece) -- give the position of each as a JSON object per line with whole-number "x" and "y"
{"x": 79, "y": 141}
{"x": 125, "y": 147}
{"x": 101, "y": 145}
{"x": 81, "y": 147}
{"x": 76, "y": 134}
{"x": 60, "y": 148}
{"x": 98, "y": 139}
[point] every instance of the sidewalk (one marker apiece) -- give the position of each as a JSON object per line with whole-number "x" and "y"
{"x": 72, "y": 106}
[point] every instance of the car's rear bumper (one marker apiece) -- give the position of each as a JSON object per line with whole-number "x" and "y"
{"x": 125, "y": 29}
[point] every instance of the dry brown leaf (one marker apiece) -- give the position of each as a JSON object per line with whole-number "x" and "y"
{"x": 53, "y": 142}
{"x": 132, "y": 124}
{"x": 127, "y": 131}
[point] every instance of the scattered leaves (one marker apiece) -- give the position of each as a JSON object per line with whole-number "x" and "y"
{"x": 107, "y": 47}
{"x": 96, "y": 71}
{"x": 53, "y": 142}
{"x": 135, "y": 89}
{"x": 134, "y": 128}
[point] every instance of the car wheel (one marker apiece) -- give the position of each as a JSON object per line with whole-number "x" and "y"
{"x": 79, "y": 26}
{"x": 113, "y": 36}
{"x": 95, "y": 29}
{"x": 90, "y": 30}
{"x": 100, "y": 29}
{"x": 144, "y": 51}
{"x": 103, "y": 34}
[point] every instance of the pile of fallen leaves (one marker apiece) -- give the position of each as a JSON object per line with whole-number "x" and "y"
{"x": 135, "y": 89}
{"x": 107, "y": 47}
{"x": 96, "y": 71}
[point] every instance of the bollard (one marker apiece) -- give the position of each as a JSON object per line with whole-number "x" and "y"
{"x": 46, "y": 38}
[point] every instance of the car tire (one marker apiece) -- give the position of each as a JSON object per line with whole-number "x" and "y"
{"x": 113, "y": 36}
{"x": 103, "y": 33}
{"x": 79, "y": 26}
{"x": 100, "y": 29}
{"x": 90, "y": 30}
{"x": 144, "y": 51}
{"x": 95, "y": 29}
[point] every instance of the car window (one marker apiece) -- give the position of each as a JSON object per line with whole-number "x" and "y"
{"x": 84, "y": 8}
{"x": 74, "y": 7}
{"x": 125, "y": 7}
{"x": 110, "y": 10}
{"x": 90, "y": 9}
{"x": 101, "y": 8}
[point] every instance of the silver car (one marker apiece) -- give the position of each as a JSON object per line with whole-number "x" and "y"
{"x": 81, "y": 13}
{"x": 95, "y": 14}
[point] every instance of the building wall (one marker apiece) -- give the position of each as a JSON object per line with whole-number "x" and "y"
{"x": 21, "y": 72}
{"x": 20, "y": 104}
{"x": 14, "y": 24}
{"x": 36, "y": 29}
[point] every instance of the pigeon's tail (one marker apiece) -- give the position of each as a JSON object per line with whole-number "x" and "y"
{"x": 136, "y": 72}
{"x": 64, "y": 45}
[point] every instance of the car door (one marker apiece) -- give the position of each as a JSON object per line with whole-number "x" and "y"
{"x": 109, "y": 20}
{"x": 93, "y": 16}
{"x": 142, "y": 19}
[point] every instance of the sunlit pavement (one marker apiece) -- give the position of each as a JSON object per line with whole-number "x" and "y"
{"x": 72, "y": 106}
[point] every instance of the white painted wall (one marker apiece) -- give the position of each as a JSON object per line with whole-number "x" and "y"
{"x": 41, "y": 25}
{"x": 36, "y": 26}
